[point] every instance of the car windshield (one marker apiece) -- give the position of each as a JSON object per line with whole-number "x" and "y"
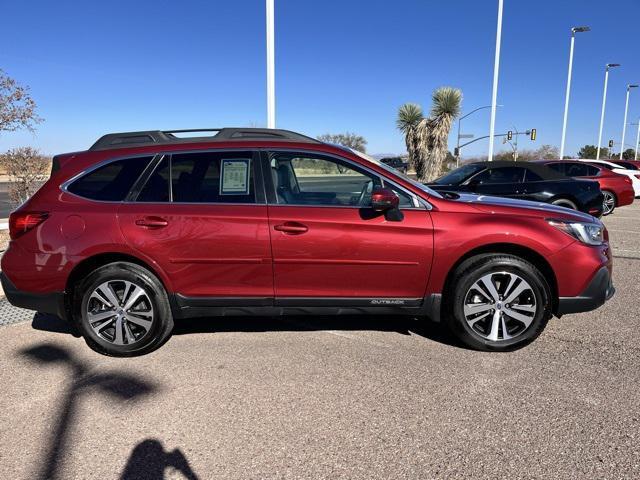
{"x": 395, "y": 172}
{"x": 459, "y": 175}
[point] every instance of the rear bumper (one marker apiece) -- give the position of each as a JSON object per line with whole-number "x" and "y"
{"x": 52, "y": 303}
{"x": 597, "y": 292}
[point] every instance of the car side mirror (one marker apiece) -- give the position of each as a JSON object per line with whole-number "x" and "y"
{"x": 384, "y": 199}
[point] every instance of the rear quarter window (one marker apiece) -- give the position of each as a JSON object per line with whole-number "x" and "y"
{"x": 111, "y": 182}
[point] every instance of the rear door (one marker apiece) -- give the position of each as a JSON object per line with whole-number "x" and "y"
{"x": 330, "y": 248}
{"x": 202, "y": 218}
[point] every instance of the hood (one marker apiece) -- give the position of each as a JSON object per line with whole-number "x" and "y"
{"x": 485, "y": 203}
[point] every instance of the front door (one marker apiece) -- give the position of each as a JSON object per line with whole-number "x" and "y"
{"x": 327, "y": 242}
{"x": 201, "y": 217}
{"x": 500, "y": 181}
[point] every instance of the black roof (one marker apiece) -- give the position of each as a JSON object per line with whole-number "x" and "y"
{"x": 150, "y": 137}
{"x": 541, "y": 170}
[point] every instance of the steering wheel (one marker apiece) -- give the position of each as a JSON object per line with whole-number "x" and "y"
{"x": 364, "y": 200}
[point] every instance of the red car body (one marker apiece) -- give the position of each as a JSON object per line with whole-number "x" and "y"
{"x": 267, "y": 258}
{"x": 620, "y": 185}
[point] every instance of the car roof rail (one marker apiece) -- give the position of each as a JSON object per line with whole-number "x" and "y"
{"x": 164, "y": 137}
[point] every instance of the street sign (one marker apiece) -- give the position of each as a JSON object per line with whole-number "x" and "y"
{"x": 466, "y": 135}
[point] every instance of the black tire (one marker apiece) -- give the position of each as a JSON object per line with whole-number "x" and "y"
{"x": 470, "y": 272}
{"x": 155, "y": 296}
{"x": 565, "y": 202}
{"x": 609, "y": 196}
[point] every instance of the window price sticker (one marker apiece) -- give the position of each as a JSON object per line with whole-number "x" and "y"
{"x": 235, "y": 176}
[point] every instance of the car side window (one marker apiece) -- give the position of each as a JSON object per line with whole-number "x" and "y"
{"x": 558, "y": 167}
{"x": 577, "y": 169}
{"x": 156, "y": 188}
{"x": 202, "y": 177}
{"x": 531, "y": 176}
{"x": 317, "y": 180}
{"x": 592, "y": 171}
{"x": 500, "y": 175}
{"x": 111, "y": 182}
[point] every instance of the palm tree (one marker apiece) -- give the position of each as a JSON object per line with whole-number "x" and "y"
{"x": 426, "y": 138}
{"x": 444, "y": 110}
{"x": 410, "y": 122}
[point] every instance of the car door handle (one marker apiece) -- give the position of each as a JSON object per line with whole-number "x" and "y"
{"x": 152, "y": 222}
{"x": 291, "y": 228}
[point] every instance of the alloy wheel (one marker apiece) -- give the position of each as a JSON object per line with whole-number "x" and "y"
{"x": 500, "y": 306}
{"x": 120, "y": 312}
{"x": 609, "y": 202}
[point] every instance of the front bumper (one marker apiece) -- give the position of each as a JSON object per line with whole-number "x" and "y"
{"x": 52, "y": 303}
{"x": 597, "y": 292}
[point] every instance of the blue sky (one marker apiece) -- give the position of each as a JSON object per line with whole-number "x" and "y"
{"x": 99, "y": 67}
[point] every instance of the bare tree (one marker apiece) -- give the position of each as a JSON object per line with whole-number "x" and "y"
{"x": 348, "y": 139}
{"x": 27, "y": 169}
{"x": 17, "y": 108}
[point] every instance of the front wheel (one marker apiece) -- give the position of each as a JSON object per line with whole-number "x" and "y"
{"x": 122, "y": 310}
{"x": 498, "y": 303}
{"x": 609, "y": 202}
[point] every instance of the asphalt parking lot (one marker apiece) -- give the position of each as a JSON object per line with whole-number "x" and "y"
{"x": 332, "y": 398}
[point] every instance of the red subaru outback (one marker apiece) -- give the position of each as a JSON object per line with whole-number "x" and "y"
{"x": 147, "y": 228}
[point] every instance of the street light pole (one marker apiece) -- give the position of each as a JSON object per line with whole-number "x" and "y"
{"x": 496, "y": 70}
{"x": 271, "y": 82}
{"x": 604, "y": 104}
{"x": 637, "y": 141}
{"x": 574, "y": 30}
{"x": 624, "y": 125}
{"x": 459, "y": 126}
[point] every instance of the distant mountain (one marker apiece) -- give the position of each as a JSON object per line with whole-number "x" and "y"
{"x": 378, "y": 156}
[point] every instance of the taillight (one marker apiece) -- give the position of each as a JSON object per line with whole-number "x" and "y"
{"x": 21, "y": 222}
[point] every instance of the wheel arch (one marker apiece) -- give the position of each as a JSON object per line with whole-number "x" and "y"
{"x": 525, "y": 253}
{"x": 89, "y": 264}
{"x": 565, "y": 196}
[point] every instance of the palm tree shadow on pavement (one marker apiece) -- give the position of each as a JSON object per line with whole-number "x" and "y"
{"x": 116, "y": 385}
{"x": 150, "y": 461}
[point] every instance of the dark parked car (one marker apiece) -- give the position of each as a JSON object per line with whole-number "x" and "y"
{"x": 396, "y": 162}
{"x": 617, "y": 189}
{"x": 524, "y": 181}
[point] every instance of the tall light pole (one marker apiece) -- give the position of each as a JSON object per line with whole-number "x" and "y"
{"x": 496, "y": 71}
{"x": 459, "y": 125}
{"x": 271, "y": 81}
{"x": 604, "y": 104}
{"x": 624, "y": 125}
{"x": 637, "y": 141}
{"x": 574, "y": 30}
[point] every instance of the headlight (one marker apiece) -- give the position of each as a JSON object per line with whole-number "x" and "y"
{"x": 589, "y": 233}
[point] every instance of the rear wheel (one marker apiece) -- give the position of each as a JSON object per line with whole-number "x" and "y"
{"x": 609, "y": 203}
{"x": 123, "y": 310}
{"x": 564, "y": 202}
{"x": 498, "y": 303}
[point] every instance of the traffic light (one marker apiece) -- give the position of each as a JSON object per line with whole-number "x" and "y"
{"x": 534, "y": 133}
{"x": 509, "y": 135}
{"x": 456, "y": 152}
{"x": 610, "y": 143}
